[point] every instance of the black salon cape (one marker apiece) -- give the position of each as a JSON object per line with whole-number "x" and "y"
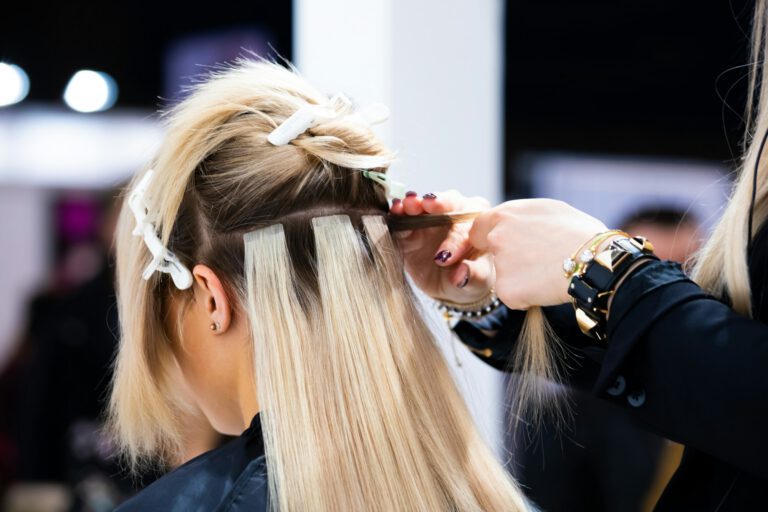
{"x": 686, "y": 366}
{"x": 231, "y": 478}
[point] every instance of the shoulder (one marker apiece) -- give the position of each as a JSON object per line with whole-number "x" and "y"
{"x": 224, "y": 479}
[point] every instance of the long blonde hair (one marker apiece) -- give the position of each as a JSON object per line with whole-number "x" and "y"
{"x": 721, "y": 265}
{"x": 359, "y": 411}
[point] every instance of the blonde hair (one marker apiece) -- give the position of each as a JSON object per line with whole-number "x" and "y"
{"x": 359, "y": 411}
{"x": 721, "y": 264}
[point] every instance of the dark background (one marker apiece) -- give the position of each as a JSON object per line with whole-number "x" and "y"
{"x": 597, "y": 76}
{"x": 626, "y": 77}
{"x": 123, "y": 39}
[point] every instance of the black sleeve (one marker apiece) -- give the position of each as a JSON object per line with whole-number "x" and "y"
{"x": 694, "y": 370}
{"x": 495, "y": 349}
{"x": 684, "y": 363}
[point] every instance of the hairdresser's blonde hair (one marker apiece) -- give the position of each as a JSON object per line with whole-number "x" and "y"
{"x": 721, "y": 265}
{"x": 359, "y": 411}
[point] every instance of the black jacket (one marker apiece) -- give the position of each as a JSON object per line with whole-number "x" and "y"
{"x": 231, "y": 478}
{"x": 687, "y": 367}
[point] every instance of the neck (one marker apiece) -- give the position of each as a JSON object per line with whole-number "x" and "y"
{"x": 248, "y": 403}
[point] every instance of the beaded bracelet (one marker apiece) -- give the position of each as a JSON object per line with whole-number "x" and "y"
{"x": 472, "y": 310}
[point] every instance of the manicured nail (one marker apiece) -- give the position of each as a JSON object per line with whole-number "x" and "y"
{"x": 443, "y": 256}
{"x": 429, "y": 196}
{"x": 395, "y": 201}
{"x": 411, "y": 193}
{"x": 464, "y": 281}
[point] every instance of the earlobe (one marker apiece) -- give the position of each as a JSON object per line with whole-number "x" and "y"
{"x": 214, "y": 297}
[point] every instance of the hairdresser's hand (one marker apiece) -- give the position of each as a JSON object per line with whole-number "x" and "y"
{"x": 441, "y": 260}
{"x": 529, "y": 239}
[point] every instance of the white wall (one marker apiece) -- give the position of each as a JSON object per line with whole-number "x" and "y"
{"x": 612, "y": 188}
{"x": 438, "y": 65}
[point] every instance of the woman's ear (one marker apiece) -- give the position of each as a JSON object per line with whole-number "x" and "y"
{"x": 210, "y": 294}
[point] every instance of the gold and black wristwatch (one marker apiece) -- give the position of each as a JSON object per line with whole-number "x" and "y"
{"x": 594, "y": 283}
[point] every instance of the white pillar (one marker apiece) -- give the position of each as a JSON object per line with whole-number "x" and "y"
{"x": 438, "y": 65}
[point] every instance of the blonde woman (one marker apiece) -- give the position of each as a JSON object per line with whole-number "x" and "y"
{"x": 260, "y": 290}
{"x": 688, "y": 356}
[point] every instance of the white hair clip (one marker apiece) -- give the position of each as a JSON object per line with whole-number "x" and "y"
{"x": 395, "y": 189}
{"x": 162, "y": 258}
{"x": 310, "y": 116}
{"x": 337, "y": 107}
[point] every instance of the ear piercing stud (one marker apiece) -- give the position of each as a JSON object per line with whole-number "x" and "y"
{"x": 215, "y": 326}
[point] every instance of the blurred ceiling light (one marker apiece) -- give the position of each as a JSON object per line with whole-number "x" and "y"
{"x": 90, "y": 91}
{"x": 14, "y": 84}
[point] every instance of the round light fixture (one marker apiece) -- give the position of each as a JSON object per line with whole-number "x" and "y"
{"x": 14, "y": 84}
{"x": 90, "y": 91}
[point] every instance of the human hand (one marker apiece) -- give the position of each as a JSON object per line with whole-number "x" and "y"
{"x": 440, "y": 260}
{"x": 529, "y": 239}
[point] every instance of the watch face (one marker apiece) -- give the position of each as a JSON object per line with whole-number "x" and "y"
{"x": 629, "y": 245}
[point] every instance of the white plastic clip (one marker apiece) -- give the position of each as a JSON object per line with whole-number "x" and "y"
{"x": 163, "y": 260}
{"x": 308, "y": 117}
{"x": 395, "y": 189}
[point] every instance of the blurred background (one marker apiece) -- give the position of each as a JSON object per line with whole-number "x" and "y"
{"x": 630, "y": 111}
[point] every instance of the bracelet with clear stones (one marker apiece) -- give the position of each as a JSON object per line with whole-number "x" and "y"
{"x": 576, "y": 264}
{"x": 476, "y": 309}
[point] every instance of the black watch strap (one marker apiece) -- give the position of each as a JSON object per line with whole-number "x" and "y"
{"x": 591, "y": 289}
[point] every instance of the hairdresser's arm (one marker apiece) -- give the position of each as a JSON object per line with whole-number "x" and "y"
{"x": 687, "y": 365}
{"x": 684, "y": 363}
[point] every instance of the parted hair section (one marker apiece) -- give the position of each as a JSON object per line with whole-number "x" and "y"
{"x": 359, "y": 410}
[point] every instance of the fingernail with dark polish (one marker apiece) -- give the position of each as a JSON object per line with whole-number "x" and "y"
{"x": 443, "y": 256}
{"x": 395, "y": 201}
{"x": 411, "y": 193}
{"x": 430, "y": 196}
{"x": 464, "y": 281}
